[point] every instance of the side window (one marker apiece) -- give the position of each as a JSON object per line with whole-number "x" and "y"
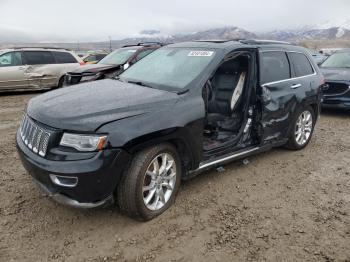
{"x": 11, "y": 59}
{"x": 100, "y": 56}
{"x": 274, "y": 67}
{"x": 301, "y": 64}
{"x": 142, "y": 54}
{"x": 90, "y": 58}
{"x": 39, "y": 57}
{"x": 64, "y": 58}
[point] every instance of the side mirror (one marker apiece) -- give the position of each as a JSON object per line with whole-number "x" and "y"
{"x": 126, "y": 66}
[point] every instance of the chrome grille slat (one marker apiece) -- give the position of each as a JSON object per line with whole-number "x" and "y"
{"x": 35, "y": 137}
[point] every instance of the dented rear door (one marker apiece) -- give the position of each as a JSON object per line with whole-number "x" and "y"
{"x": 41, "y": 70}
{"x": 277, "y": 95}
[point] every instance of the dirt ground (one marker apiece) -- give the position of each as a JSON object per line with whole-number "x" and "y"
{"x": 281, "y": 206}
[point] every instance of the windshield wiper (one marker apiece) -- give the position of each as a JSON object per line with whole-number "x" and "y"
{"x": 139, "y": 83}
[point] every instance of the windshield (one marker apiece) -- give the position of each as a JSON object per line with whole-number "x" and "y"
{"x": 338, "y": 60}
{"x": 118, "y": 57}
{"x": 169, "y": 67}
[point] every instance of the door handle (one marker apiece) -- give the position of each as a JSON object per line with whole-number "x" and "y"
{"x": 295, "y": 86}
{"x": 22, "y": 68}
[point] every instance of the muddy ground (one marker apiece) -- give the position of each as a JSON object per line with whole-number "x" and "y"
{"x": 282, "y": 206}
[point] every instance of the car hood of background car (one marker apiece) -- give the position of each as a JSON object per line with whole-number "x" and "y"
{"x": 94, "y": 68}
{"x": 88, "y": 106}
{"x": 336, "y": 74}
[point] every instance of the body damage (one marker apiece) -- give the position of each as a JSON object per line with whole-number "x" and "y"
{"x": 135, "y": 117}
{"x": 280, "y": 100}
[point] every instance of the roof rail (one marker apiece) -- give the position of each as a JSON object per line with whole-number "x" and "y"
{"x": 263, "y": 42}
{"x": 146, "y": 44}
{"x": 41, "y": 47}
{"x": 246, "y": 41}
{"x": 220, "y": 40}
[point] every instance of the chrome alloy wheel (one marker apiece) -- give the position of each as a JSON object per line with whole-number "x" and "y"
{"x": 159, "y": 181}
{"x": 303, "y": 128}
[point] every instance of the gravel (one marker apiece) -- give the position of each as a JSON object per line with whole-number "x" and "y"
{"x": 277, "y": 206}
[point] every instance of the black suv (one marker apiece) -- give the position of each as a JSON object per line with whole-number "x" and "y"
{"x": 113, "y": 64}
{"x": 181, "y": 110}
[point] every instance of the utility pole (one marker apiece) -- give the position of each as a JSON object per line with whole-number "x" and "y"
{"x": 110, "y": 43}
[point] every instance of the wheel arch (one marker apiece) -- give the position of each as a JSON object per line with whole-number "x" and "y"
{"x": 179, "y": 137}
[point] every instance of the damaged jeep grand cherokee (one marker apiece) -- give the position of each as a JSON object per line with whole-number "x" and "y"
{"x": 181, "y": 110}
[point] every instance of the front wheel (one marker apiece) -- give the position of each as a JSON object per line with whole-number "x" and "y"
{"x": 150, "y": 184}
{"x": 61, "y": 82}
{"x": 302, "y": 129}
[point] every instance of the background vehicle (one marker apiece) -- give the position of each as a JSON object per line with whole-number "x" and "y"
{"x": 35, "y": 68}
{"x": 93, "y": 58}
{"x": 317, "y": 56}
{"x": 113, "y": 64}
{"x": 181, "y": 110}
{"x": 336, "y": 70}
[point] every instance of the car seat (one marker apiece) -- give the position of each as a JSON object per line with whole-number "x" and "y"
{"x": 228, "y": 84}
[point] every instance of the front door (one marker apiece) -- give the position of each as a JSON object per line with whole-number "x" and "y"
{"x": 12, "y": 72}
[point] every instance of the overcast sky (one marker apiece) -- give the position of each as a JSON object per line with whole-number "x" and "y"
{"x": 95, "y": 20}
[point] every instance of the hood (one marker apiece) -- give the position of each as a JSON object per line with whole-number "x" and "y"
{"x": 94, "y": 68}
{"x": 336, "y": 74}
{"x": 86, "y": 107}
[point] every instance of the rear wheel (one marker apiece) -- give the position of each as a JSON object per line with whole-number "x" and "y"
{"x": 150, "y": 184}
{"x": 302, "y": 129}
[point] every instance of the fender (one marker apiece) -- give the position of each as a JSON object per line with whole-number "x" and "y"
{"x": 181, "y": 124}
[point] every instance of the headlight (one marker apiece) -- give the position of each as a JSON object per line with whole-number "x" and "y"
{"x": 89, "y": 77}
{"x": 83, "y": 142}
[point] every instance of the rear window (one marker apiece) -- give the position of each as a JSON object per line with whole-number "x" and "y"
{"x": 39, "y": 57}
{"x": 301, "y": 64}
{"x": 274, "y": 67}
{"x": 64, "y": 58}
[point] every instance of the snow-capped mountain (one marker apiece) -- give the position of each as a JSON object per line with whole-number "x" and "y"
{"x": 324, "y": 31}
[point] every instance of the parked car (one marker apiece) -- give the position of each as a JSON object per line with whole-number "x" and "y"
{"x": 94, "y": 58}
{"x": 181, "y": 110}
{"x": 35, "y": 68}
{"x": 319, "y": 57}
{"x": 113, "y": 64}
{"x": 336, "y": 70}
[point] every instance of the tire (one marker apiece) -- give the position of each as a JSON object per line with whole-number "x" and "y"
{"x": 132, "y": 193}
{"x": 296, "y": 140}
{"x": 61, "y": 82}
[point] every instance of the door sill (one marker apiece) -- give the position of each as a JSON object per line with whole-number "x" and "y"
{"x": 224, "y": 159}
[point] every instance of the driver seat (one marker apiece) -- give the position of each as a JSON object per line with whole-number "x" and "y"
{"x": 228, "y": 84}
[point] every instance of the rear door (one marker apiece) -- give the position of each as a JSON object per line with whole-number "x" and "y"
{"x": 12, "y": 72}
{"x": 305, "y": 79}
{"x": 40, "y": 69}
{"x": 277, "y": 95}
{"x": 64, "y": 62}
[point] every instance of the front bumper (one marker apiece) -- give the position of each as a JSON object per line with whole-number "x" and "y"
{"x": 341, "y": 100}
{"x": 97, "y": 177}
{"x": 336, "y": 102}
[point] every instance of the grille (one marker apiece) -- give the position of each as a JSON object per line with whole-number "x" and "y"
{"x": 336, "y": 88}
{"x": 34, "y": 137}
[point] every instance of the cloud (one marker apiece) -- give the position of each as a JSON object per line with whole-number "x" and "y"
{"x": 90, "y": 20}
